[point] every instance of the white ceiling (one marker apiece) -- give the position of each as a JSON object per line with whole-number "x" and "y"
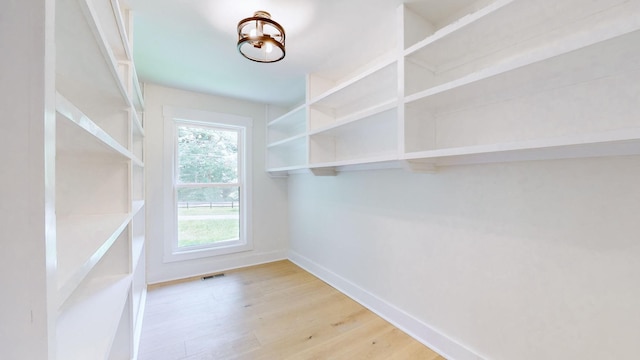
{"x": 191, "y": 44}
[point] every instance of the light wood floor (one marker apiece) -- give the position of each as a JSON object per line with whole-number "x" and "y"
{"x": 272, "y": 311}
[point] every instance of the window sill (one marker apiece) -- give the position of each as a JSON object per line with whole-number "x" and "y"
{"x": 191, "y": 254}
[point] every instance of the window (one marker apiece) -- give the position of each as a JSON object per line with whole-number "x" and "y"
{"x": 207, "y": 154}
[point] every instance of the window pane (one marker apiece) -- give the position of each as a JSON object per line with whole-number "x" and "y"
{"x": 208, "y": 215}
{"x": 207, "y": 155}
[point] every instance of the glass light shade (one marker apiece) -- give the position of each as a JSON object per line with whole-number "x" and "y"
{"x": 260, "y": 38}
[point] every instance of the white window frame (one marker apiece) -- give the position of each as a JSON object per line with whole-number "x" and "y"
{"x": 179, "y": 116}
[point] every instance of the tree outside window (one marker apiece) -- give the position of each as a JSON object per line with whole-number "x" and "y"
{"x": 207, "y": 186}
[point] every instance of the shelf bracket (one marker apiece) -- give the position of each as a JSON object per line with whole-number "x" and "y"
{"x": 328, "y": 171}
{"x": 420, "y": 166}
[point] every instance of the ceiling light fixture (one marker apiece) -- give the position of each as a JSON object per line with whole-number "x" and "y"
{"x": 260, "y": 38}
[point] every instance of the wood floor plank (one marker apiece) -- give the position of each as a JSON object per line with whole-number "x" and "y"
{"x": 271, "y": 311}
{"x": 221, "y": 346}
{"x": 298, "y": 339}
{"x": 349, "y": 344}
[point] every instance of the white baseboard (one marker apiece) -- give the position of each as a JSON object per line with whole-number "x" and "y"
{"x": 420, "y": 331}
{"x": 216, "y": 265}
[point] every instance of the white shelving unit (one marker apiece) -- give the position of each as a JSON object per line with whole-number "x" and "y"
{"x": 365, "y": 94}
{"x": 288, "y": 126}
{"x": 328, "y": 125}
{"x": 557, "y": 84}
{"x": 486, "y": 81}
{"x": 99, "y": 248}
{"x": 287, "y": 141}
{"x": 344, "y": 140}
{"x": 342, "y": 111}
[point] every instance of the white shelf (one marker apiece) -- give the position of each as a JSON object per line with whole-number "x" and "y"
{"x": 374, "y": 77}
{"x": 346, "y": 144}
{"x": 108, "y": 15}
{"x": 359, "y": 116}
{"x": 287, "y": 168}
{"x": 288, "y": 126}
{"x": 82, "y": 141}
{"x": 458, "y": 26}
{"x": 381, "y": 122}
{"x": 367, "y": 101}
{"x": 358, "y": 161}
{"x": 82, "y": 241}
{"x": 611, "y": 143}
{"x": 292, "y": 141}
{"x": 86, "y": 67}
{"x": 88, "y": 322}
{"x": 290, "y": 153}
{"x": 558, "y": 83}
{"x": 121, "y": 15}
{"x": 290, "y": 118}
{"x": 287, "y": 141}
{"x": 365, "y": 91}
{"x": 479, "y": 40}
{"x": 591, "y": 55}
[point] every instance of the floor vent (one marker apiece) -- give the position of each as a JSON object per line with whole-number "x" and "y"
{"x": 212, "y": 276}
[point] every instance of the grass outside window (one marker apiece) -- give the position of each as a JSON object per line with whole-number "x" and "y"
{"x": 207, "y": 225}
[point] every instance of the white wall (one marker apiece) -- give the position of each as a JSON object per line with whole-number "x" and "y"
{"x": 535, "y": 260}
{"x": 270, "y": 229}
